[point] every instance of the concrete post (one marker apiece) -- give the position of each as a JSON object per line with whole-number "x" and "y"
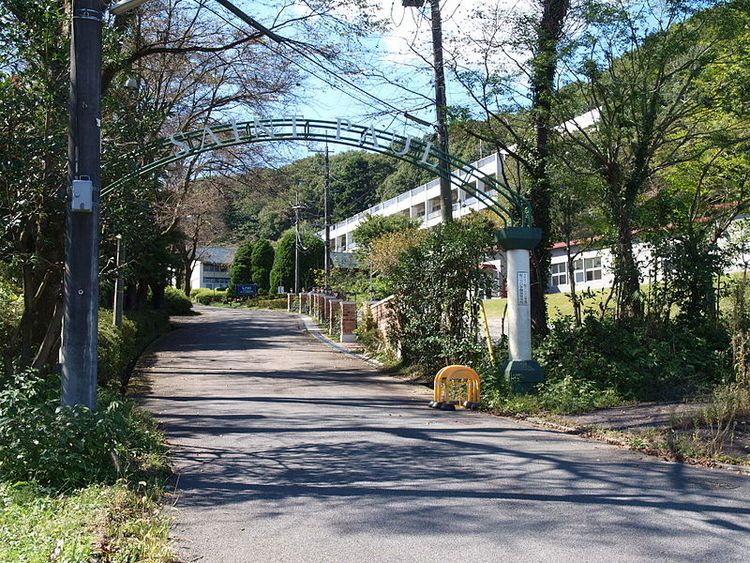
{"x": 334, "y": 310}
{"x": 348, "y": 321}
{"x": 522, "y": 371}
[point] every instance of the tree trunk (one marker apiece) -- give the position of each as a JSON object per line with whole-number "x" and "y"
{"x": 627, "y": 275}
{"x": 544, "y": 67}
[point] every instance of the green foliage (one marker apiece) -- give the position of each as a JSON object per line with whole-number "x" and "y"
{"x": 310, "y": 258}
{"x": 11, "y": 309}
{"x": 97, "y": 523}
{"x": 437, "y": 286}
{"x": 65, "y": 447}
{"x": 241, "y": 270}
{"x": 206, "y": 296}
{"x": 118, "y": 348}
{"x": 262, "y": 262}
{"x": 650, "y": 360}
{"x": 176, "y": 302}
{"x": 375, "y": 226}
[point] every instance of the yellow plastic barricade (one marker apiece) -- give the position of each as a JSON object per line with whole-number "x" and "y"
{"x": 452, "y": 383}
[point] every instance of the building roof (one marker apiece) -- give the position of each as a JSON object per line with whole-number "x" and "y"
{"x": 216, "y": 254}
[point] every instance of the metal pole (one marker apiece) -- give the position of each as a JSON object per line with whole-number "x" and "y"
{"x": 441, "y": 107}
{"x": 119, "y": 285}
{"x": 81, "y": 291}
{"x": 327, "y": 221}
{"x": 296, "y": 243}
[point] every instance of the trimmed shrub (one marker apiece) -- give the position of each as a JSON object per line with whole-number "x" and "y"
{"x": 262, "y": 260}
{"x": 241, "y": 270}
{"x": 119, "y": 348}
{"x": 176, "y": 302}
{"x": 209, "y": 296}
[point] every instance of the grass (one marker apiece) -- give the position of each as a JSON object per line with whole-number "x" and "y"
{"x": 558, "y": 304}
{"x": 109, "y": 523}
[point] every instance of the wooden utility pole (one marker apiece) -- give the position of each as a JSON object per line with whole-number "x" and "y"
{"x": 296, "y": 242}
{"x": 441, "y": 111}
{"x": 81, "y": 287}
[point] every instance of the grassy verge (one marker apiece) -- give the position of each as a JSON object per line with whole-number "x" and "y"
{"x": 77, "y": 485}
{"x": 95, "y": 523}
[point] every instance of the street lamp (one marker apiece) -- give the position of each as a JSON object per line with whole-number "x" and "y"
{"x": 125, "y": 6}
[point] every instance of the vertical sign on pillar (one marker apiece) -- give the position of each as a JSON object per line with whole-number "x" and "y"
{"x": 523, "y": 288}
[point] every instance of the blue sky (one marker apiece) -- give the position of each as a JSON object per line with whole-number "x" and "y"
{"x": 395, "y": 53}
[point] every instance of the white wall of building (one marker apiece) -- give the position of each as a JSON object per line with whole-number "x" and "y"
{"x": 422, "y": 202}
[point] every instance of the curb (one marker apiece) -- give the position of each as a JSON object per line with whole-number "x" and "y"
{"x": 308, "y": 325}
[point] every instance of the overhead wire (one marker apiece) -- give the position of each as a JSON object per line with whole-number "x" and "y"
{"x": 296, "y": 63}
{"x": 294, "y": 46}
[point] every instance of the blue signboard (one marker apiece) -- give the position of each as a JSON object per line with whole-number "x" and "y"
{"x": 246, "y": 289}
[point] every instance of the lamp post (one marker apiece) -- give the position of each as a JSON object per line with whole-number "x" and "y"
{"x": 119, "y": 285}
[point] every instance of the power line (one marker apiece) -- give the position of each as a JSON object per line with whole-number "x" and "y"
{"x": 294, "y": 47}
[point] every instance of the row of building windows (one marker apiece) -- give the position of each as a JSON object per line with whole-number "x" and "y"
{"x": 584, "y": 270}
{"x": 215, "y": 267}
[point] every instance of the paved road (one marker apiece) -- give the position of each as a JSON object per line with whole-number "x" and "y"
{"x": 288, "y": 451}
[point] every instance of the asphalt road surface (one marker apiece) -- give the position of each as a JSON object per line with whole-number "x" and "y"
{"x": 288, "y": 451}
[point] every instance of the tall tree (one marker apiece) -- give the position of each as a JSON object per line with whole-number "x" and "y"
{"x": 520, "y": 120}
{"x": 639, "y": 68}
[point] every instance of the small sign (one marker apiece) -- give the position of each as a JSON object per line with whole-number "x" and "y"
{"x": 246, "y": 289}
{"x": 523, "y": 288}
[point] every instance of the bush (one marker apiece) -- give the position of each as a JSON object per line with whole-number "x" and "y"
{"x": 176, "y": 302}
{"x": 119, "y": 348}
{"x": 437, "y": 286}
{"x": 208, "y": 296}
{"x": 646, "y": 360}
{"x": 11, "y": 309}
{"x": 567, "y": 395}
{"x": 66, "y": 447}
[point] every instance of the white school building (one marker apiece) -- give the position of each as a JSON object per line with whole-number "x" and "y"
{"x": 592, "y": 262}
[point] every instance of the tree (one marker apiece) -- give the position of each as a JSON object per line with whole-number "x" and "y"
{"x": 262, "y": 262}
{"x": 241, "y": 270}
{"x": 310, "y": 258}
{"x": 639, "y": 66}
{"x": 375, "y": 226}
{"x": 520, "y": 120}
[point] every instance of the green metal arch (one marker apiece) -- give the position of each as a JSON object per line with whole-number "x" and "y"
{"x": 508, "y": 204}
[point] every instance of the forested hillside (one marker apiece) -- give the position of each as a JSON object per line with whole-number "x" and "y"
{"x": 261, "y": 200}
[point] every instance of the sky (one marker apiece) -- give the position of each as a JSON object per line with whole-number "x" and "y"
{"x": 395, "y": 53}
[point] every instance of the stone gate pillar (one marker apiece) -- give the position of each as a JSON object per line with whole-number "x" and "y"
{"x": 303, "y": 302}
{"x": 522, "y": 371}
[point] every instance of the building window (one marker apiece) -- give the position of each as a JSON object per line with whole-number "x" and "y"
{"x": 588, "y": 269}
{"x": 593, "y": 268}
{"x": 559, "y": 273}
{"x": 208, "y": 267}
